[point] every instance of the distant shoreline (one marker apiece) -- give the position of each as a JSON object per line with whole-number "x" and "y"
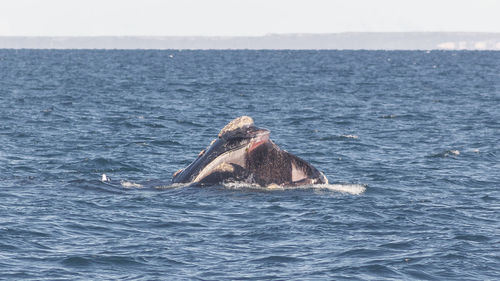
{"x": 330, "y": 41}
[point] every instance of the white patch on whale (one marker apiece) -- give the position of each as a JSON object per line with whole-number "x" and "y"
{"x": 243, "y": 121}
{"x": 297, "y": 173}
{"x": 231, "y": 157}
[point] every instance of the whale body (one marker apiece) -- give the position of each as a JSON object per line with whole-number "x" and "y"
{"x": 244, "y": 153}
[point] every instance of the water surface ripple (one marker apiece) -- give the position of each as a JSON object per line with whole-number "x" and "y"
{"x": 419, "y": 130}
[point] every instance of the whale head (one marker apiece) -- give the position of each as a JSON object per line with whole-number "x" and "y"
{"x": 226, "y": 155}
{"x": 243, "y": 152}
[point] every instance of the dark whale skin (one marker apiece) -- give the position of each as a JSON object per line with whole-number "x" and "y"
{"x": 244, "y": 153}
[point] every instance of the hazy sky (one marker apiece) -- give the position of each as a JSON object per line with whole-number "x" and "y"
{"x": 242, "y": 17}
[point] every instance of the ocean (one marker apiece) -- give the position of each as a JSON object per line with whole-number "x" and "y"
{"x": 409, "y": 140}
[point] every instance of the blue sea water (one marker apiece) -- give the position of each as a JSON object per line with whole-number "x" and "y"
{"x": 409, "y": 140}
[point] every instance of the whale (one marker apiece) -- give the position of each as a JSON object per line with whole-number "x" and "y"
{"x": 243, "y": 152}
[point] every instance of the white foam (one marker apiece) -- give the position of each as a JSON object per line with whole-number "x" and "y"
{"x": 129, "y": 184}
{"x": 354, "y": 189}
{"x": 241, "y": 185}
{"x": 455, "y": 152}
{"x": 174, "y": 185}
{"x": 350, "y": 136}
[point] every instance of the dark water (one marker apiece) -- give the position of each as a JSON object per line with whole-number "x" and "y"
{"x": 420, "y": 130}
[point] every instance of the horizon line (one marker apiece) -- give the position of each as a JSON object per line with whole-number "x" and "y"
{"x": 271, "y": 41}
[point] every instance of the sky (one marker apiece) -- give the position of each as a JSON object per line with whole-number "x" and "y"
{"x": 242, "y": 17}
